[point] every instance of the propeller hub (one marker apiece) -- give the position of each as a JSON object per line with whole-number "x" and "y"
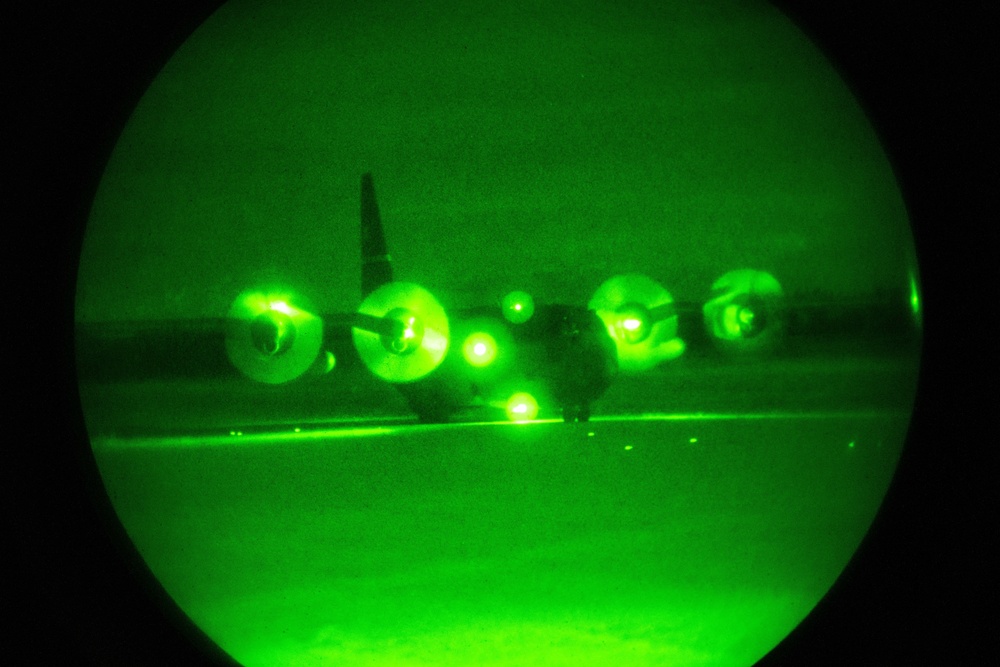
{"x": 640, "y": 318}
{"x": 745, "y": 318}
{"x": 272, "y": 333}
{"x": 408, "y": 332}
{"x": 633, "y": 323}
{"x": 270, "y": 337}
{"x": 746, "y": 311}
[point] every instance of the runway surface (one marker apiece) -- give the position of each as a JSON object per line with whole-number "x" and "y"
{"x": 813, "y": 381}
{"x": 696, "y": 520}
{"x": 656, "y": 541}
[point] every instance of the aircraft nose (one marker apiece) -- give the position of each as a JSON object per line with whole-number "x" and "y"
{"x": 569, "y": 328}
{"x": 585, "y": 358}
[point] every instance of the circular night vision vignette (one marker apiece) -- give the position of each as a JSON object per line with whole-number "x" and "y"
{"x": 367, "y": 644}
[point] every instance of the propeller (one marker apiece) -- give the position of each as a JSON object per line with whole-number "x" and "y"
{"x": 269, "y": 339}
{"x": 640, "y": 317}
{"x": 746, "y": 312}
{"x": 401, "y": 332}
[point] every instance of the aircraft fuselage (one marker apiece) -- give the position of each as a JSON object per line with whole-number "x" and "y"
{"x": 563, "y": 356}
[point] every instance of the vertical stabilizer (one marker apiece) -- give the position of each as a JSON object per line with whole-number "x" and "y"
{"x": 376, "y": 265}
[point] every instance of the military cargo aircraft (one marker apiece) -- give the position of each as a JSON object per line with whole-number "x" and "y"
{"x": 512, "y": 355}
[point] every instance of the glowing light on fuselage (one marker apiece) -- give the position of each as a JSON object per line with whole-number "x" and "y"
{"x": 517, "y": 307}
{"x": 632, "y": 324}
{"x": 522, "y": 407}
{"x": 480, "y": 349}
{"x": 281, "y": 307}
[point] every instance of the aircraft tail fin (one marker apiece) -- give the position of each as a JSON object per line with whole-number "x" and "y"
{"x": 376, "y": 265}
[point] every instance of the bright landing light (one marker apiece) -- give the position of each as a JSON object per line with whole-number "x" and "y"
{"x": 480, "y": 349}
{"x": 522, "y": 407}
{"x": 281, "y": 307}
{"x": 517, "y": 307}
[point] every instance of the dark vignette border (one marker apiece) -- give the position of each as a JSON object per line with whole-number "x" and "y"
{"x": 913, "y": 591}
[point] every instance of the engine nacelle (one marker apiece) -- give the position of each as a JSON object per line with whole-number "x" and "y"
{"x": 269, "y": 339}
{"x": 746, "y": 312}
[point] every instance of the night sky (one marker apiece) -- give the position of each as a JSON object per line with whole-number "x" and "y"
{"x": 512, "y": 146}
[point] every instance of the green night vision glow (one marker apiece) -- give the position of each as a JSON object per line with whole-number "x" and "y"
{"x": 409, "y": 333}
{"x": 518, "y": 307}
{"x": 608, "y": 156}
{"x": 419, "y": 337}
{"x": 479, "y": 349}
{"x": 272, "y": 332}
{"x": 269, "y": 339}
{"x": 735, "y": 320}
{"x": 633, "y": 324}
{"x": 914, "y": 295}
{"x": 522, "y": 407}
{"x": 282, "y": 307}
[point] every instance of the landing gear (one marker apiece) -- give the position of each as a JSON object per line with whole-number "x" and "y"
{"x": 572, "y": 413}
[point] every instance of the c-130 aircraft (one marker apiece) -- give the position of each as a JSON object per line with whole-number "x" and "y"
{"x": 514, "y": 355}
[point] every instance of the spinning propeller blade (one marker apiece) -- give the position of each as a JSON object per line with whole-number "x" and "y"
{"x": 269, "y": 339}
{"x": 401, "y": 333}
{"x": 639, "y": 314}
{"x": 746, "y": 312}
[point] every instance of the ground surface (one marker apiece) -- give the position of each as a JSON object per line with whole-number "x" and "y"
{"x": 696, "y": 535}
